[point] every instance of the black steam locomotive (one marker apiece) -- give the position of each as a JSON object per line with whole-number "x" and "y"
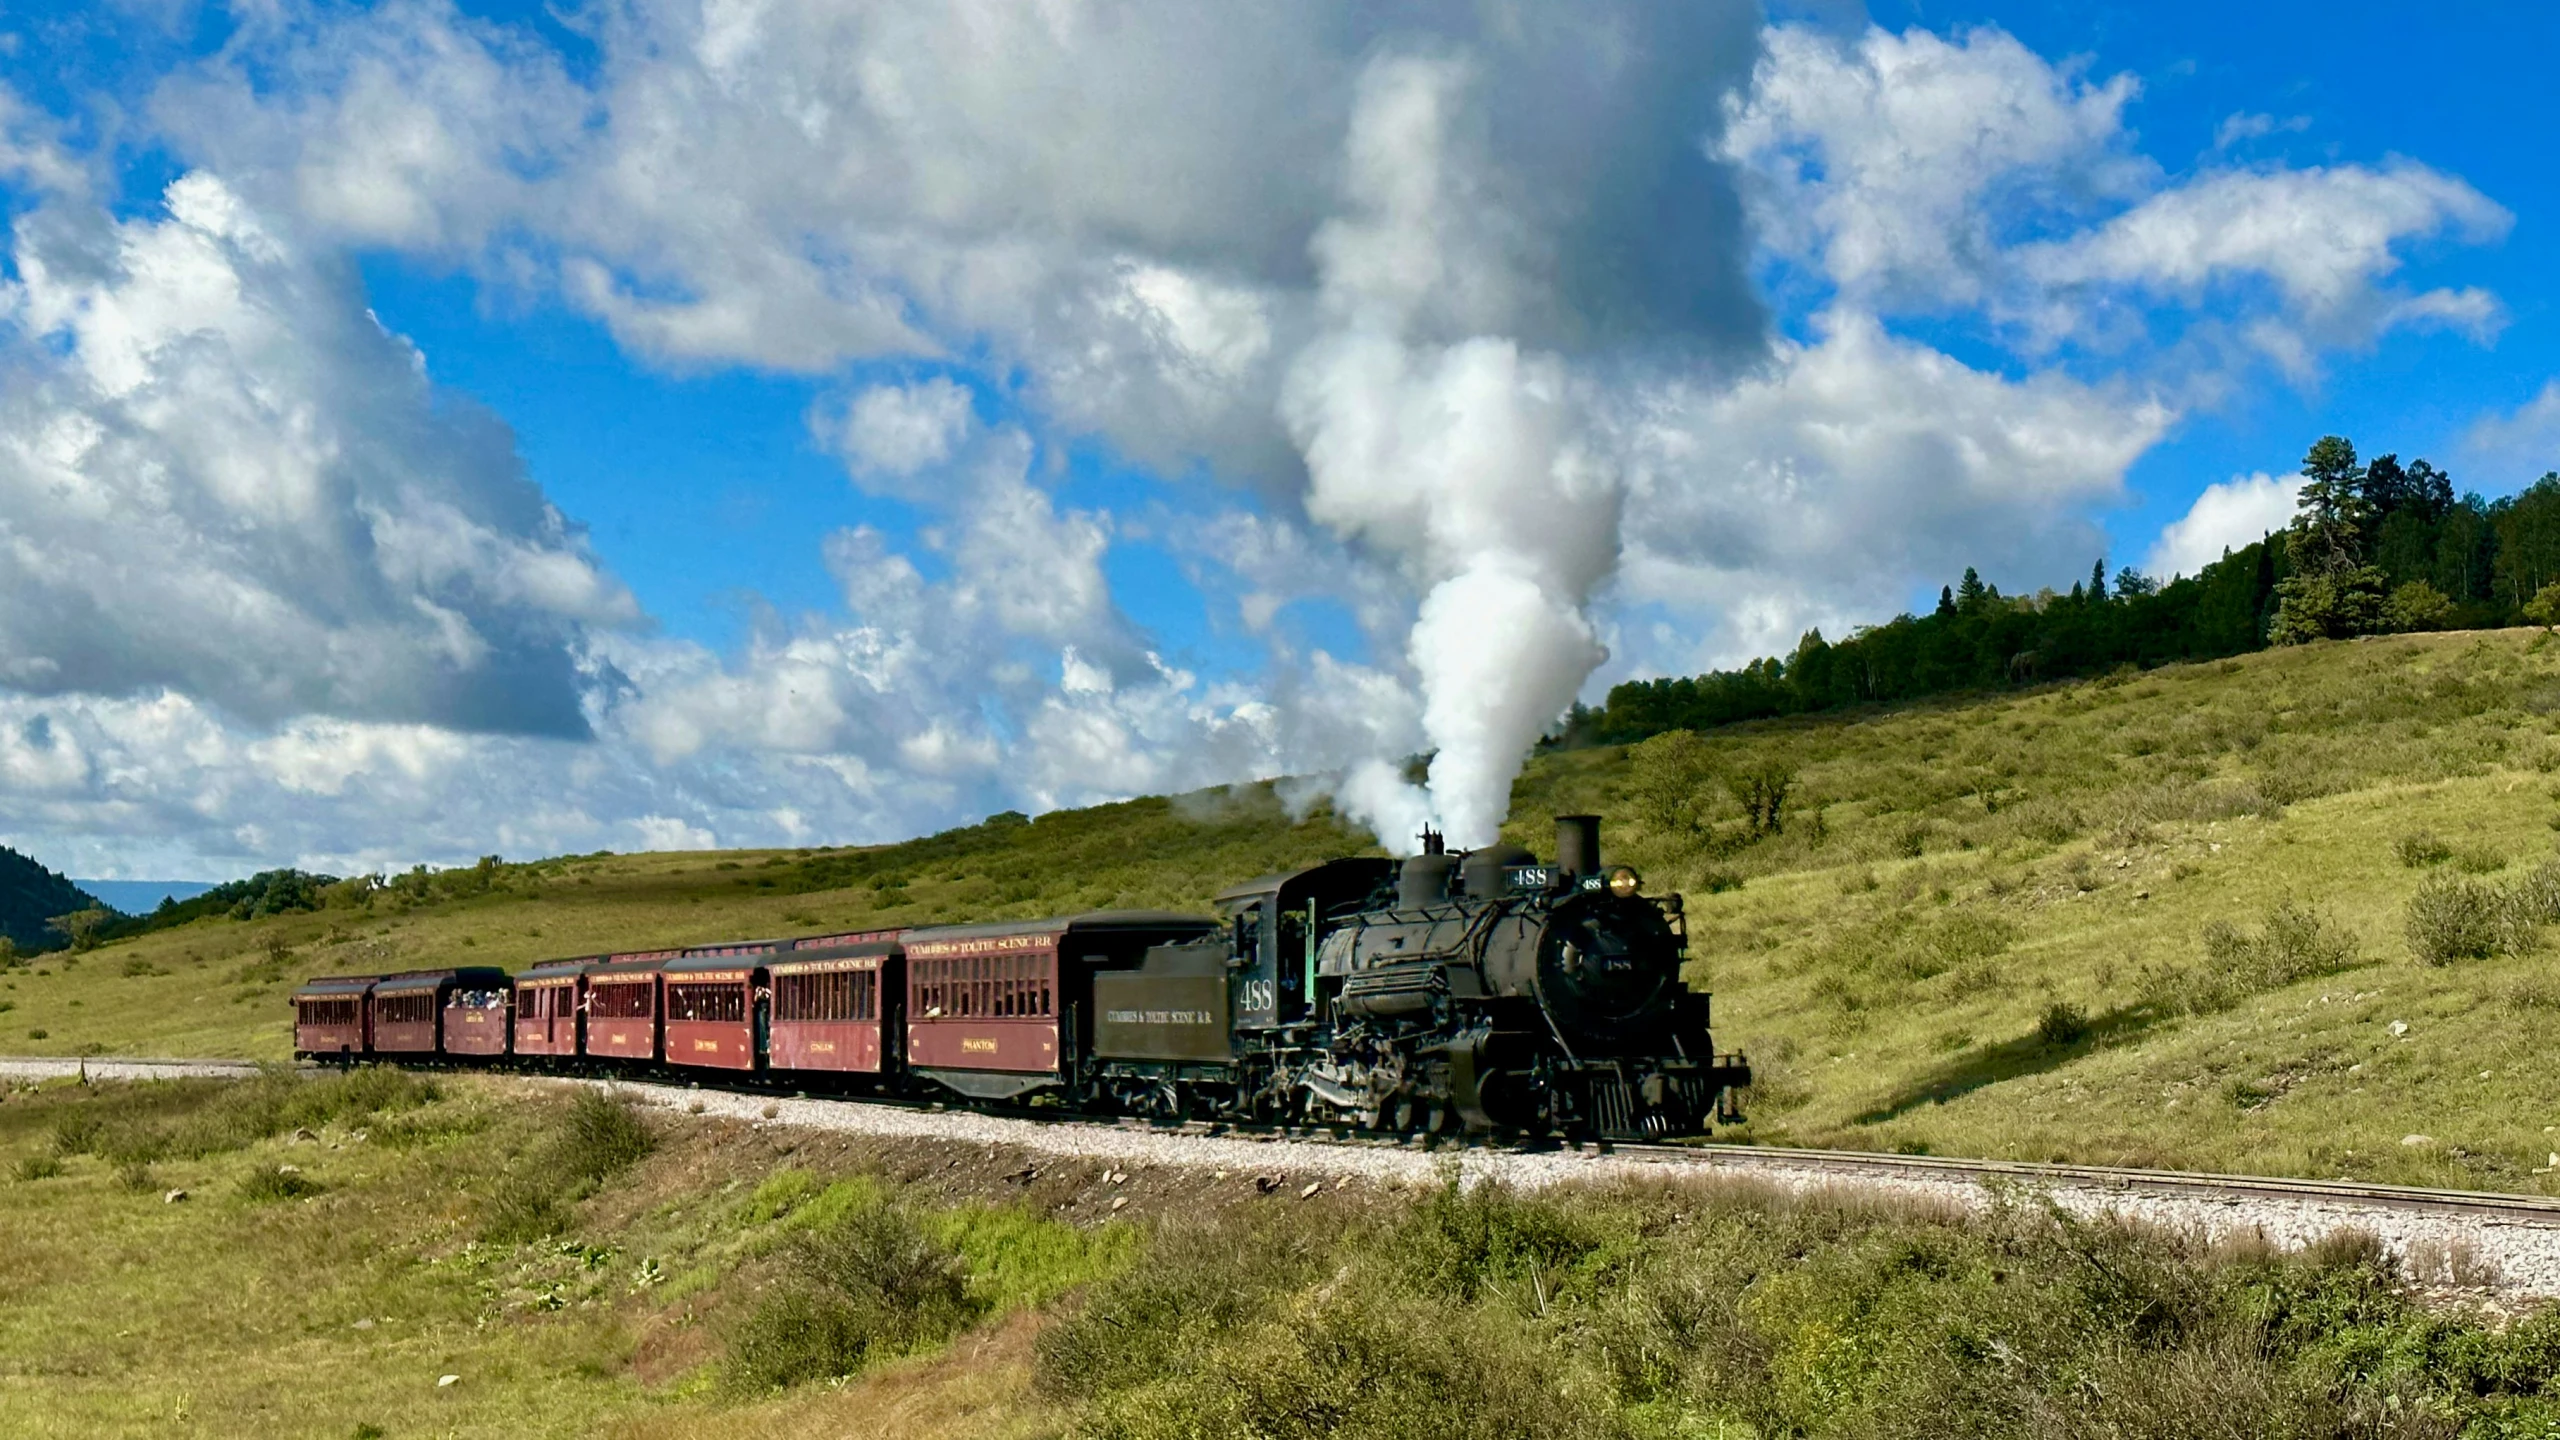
{"x": 1476, "y": 993}
{"x": 1473, "y": 992}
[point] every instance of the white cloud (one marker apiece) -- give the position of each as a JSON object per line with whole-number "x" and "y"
{"x": 1456, "y": 298}
{"x": 219, "y": 473}
{"x": 1897, "y": 161}
{"x": 898, "y": 430}
{"x": 1816, "y": 493}
{"x": 2242, "y": 126}
{"x": 2229, "y": 514}
{"x": 1919, "y": 175}
{"x": 2522, "y": 443}
{"x": 2325, "y": 238}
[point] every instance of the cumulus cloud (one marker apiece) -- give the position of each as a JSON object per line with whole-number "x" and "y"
{"x": 2325, "y": 239}
{"x": 1887, "y": 459}
{"x": 2228, "y": 515}
{"x": 2523, "y": 442}
{"x": 1456, "y": 300}
{"x": 898, "y": 430}
{"x": 1898, "y": 163}
{"x": 1914, "y": 173}
{"x": 221, "y": 475}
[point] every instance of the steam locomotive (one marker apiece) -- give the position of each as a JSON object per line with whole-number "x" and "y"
{"x": 1473, "y": 992}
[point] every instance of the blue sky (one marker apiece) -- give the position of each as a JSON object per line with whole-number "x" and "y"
{"x": 761, "y": 421}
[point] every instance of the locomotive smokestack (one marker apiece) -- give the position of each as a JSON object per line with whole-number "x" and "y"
{"x": 1578, "y": 845}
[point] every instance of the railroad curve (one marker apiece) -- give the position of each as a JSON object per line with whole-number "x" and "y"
{"x": 2448, "y": 1239}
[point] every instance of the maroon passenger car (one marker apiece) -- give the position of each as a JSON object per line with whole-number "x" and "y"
{"x": 622, "y": 1005}
{"x": 329, "y": 1018}
{"x": 550, "y": 999}
{"x": 996, "y": 1011}
{"x": 832, "y": 998}
{"x": 408, "y": 1008}
{"x": 714, "y": 996}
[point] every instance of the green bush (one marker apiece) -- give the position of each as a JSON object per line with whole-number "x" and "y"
{"x": 2294, "y": 944}
{"x": 151, "y": 1120}
{"x": 276, "y": 1182}
{"x": 524, "y": 1208}
{"x": 863, "y": 1286}
{"x": 1699, "y": 1311}
{"x": 2453, "y": 919}
{"x": 2062, "y": 1025}
{"x": 602, "y": 1137}
{"x": 2421, "y": 848}
{"x": 598, "y": 1137}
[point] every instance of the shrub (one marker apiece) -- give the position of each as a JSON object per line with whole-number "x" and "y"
{"x": 2422, "y": 847}
{"x": 2417, "y": 605}
{"x": 2479, "y": 860}
{"x": 276, "y": 1182}
{"x": 2293, "y": 944}
{"x": 2062, "y": 1024}
{"x": 1197, "y": 1286}
{"x": 2453, "y": 919}
{"x": 602, "y": 1137}
{"x": 524, "y": 1209}
{"x": 863, "y": 1286}
{"x": 38, "y": 1167}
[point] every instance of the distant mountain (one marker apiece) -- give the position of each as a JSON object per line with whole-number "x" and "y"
{"x": 30, "y": 895}
{"x": 141, "y": 897}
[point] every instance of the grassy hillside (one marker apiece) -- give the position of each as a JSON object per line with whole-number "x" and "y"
{"x": 2155, "y": 918}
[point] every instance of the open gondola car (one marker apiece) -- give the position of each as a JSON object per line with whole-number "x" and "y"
{"x": 409, "y": 1008}
{"x": 476, "y": 1015}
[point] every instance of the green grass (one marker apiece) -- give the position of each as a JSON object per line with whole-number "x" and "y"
{"x": 735, "y": 1284}
{"x": 339, "y": 1247}
{"x": 2235, "y": 872}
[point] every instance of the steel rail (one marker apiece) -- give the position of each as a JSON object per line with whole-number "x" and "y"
{"x": 1732, "y": 1159}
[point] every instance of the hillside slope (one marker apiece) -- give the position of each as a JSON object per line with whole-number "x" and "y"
{"x": 30, "y": 895}
{"x": 2046, "y": 925}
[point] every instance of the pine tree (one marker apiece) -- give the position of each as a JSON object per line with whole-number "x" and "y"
{"x": 2098, "y": 580}
{"x": 1946, "y": 603}
{"x": 1969, "y": 592}
{"x": 2332, "y": 593}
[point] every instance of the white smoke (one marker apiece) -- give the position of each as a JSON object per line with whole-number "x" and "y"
{"x": 1464, "y": 459}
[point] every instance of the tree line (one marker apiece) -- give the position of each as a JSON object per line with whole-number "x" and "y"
{"x": 2375, "y": 547}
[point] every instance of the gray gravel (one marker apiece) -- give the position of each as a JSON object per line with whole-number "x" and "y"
{"x": 2517, "y": 1258}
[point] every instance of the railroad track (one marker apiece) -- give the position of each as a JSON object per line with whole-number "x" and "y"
{"x": 1849, "y": 1167}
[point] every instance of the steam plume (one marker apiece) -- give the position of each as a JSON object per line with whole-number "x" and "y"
{"x": 1441, "y": 442}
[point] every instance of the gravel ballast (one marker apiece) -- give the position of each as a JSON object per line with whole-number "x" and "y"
{"x": 2515, "y": 1257}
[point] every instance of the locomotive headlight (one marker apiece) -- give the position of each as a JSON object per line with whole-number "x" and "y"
{"x": 1624, "y": 882}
